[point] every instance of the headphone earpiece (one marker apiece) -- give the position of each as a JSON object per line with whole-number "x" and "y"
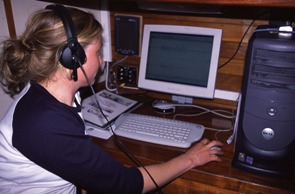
{"x": 72, "y": 54}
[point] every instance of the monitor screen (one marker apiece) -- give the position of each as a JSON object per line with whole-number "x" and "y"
{"x": 180, "y": 60}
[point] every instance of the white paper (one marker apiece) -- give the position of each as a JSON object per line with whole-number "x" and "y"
{"x": 112, "y": 105}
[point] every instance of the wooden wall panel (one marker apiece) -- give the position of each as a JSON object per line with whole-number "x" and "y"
{"x": 9, "y": 16}
{"x": 230, "y": 75}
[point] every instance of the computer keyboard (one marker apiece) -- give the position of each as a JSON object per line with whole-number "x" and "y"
{"x": 158, "y": 130}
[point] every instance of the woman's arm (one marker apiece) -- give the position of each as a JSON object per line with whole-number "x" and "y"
{"x": 198, "y": 155}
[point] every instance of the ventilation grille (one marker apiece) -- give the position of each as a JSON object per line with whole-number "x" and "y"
{"x": 273, "y": 69}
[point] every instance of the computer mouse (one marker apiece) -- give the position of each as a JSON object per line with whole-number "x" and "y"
{"x": 163, "y": 106}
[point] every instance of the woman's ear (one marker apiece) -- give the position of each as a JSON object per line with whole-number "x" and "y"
{"x": 69, "y": 74}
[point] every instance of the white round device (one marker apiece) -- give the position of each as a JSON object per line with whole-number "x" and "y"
{"x": 162, "y": 106}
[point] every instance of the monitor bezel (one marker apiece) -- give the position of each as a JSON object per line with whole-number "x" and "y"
{"x": 177, "y": 88}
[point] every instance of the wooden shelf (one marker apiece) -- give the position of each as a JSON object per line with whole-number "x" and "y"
{"x": 256, "y": 3}
{"x": 251, "y": 3}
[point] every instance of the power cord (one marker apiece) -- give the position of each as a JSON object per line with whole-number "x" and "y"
{"x": 239, "y": 45}
{"x": 117, "y": 140}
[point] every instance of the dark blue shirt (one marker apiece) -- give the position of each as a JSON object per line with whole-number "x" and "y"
{"x": 51, "y": 134}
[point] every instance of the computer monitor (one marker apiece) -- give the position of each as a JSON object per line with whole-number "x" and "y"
{"x": 180, "y": 60}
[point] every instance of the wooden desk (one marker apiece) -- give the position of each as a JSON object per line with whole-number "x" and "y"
{"x": 211, "y": 178}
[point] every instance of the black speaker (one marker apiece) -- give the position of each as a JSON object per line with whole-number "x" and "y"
{"x": 266, "y": 126}
{"x": 72, "y": 53}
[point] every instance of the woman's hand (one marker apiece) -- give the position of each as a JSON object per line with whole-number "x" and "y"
{"x": 205, "y": 151}
{"x": 198, "y": 155}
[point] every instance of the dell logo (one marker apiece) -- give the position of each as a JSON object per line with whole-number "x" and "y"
{"x": 268, "y": 133}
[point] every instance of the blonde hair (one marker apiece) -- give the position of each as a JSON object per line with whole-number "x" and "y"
{"x": 35, "y": 54}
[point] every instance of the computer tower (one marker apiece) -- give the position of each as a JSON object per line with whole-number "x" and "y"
{"x": 264, "y": 142}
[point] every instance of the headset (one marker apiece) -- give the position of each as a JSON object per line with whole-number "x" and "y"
{"x": 72, "y": 54}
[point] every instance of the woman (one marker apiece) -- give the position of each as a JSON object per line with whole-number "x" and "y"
{"x": 42, "y": 141}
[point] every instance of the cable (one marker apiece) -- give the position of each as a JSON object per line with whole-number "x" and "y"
{"x": 120, "y": 61}
{"x": 108, "y": 70}
{"x": 117, "y": 140}
{"x": 135, "y": 160}
{"x": 215, "y": 112}
{"x": 218, "y": 131}
{"x": 107, "y": 79}
{"x": 128, "y": 87}
{"x": 238, "y": 48}
{"x": 206, "y": 128}
{"x": 236, "y": 123}
{"x": 206, "y": 110}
